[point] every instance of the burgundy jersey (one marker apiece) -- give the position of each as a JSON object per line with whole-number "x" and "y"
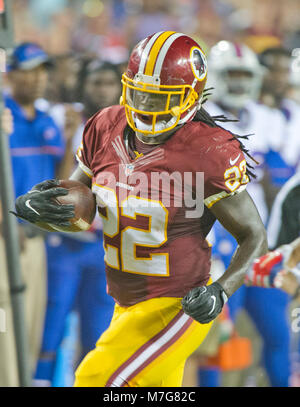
{"x": 155, "y": 205}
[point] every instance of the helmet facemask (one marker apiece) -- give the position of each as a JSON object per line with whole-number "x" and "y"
{"x": 240, "y": 86}
{"x": 152, "y": 109}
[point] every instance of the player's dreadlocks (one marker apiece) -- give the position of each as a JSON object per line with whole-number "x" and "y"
{"x": 203, "y": 116}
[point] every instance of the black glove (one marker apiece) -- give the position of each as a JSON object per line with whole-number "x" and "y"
{"x": 204, "y": 303}
{"x": 43, "y": 186}
{"x": 37, "y": 206}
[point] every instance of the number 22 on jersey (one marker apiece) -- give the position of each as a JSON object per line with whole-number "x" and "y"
{"x": 156, "y": 264}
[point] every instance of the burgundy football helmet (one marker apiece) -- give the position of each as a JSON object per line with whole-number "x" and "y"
{"x": 164, "y": 82}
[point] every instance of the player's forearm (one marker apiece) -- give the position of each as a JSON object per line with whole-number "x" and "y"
{"x": 252, "y": 246}
{"x": 79, "y": 175}
{"x": 66, "y": 166}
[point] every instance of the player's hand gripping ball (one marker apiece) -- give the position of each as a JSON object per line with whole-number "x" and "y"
{"x": 62, "y": 205}
{"x": 204, "y": 304}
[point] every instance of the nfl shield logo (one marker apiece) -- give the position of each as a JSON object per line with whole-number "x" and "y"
{"x": 129, "y": 168}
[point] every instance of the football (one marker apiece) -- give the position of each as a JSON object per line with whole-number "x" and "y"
{"x": 84, "y": 201}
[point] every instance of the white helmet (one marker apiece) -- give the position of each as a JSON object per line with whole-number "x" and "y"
{"x": 226, "y": 57}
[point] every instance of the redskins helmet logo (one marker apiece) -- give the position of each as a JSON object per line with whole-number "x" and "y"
{"x": 198, "y": 63}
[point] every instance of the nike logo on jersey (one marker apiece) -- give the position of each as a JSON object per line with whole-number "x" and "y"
{"x": 232, "y": 162}
{"x": 27, "y": 203}
{"x": 214, "y": 304}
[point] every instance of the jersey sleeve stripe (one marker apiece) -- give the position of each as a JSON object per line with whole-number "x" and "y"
{"x": 211, "y": 200}
{"x": 84, "y": 168}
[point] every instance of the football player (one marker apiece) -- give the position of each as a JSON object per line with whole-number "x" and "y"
{"x": 157, "y": 258}
{"x": 237, "y": 77}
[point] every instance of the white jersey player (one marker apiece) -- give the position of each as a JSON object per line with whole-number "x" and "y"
{"x": 236, "y": 76}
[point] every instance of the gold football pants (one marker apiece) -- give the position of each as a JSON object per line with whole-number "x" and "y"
{"x": 146, "y": 345}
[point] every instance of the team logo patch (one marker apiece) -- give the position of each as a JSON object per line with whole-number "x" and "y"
{"x": 199, "y": 63}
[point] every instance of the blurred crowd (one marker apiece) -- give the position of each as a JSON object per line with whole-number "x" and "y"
{"x": 111, "y": 28}
{"x": 89, "y": 43}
